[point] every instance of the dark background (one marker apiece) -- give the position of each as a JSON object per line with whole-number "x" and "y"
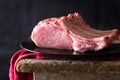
{"x": 18, "y": 17}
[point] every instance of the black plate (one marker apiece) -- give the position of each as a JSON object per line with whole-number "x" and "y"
{"x": 112, "y": 50}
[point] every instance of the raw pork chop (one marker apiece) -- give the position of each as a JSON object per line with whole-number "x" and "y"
{"x": 71, "y": 33}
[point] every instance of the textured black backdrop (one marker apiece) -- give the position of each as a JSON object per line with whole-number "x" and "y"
{"x": 18, "y": 17}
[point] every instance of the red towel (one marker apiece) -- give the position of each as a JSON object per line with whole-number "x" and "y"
{"x": 21, "y": 54}
{"x": 13, "y": 74}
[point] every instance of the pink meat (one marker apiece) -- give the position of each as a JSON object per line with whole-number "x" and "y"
{"x": 71, "y": 33}
{"x": 50, "y": 33}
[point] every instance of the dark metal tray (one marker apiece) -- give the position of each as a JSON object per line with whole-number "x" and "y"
{"x": 111, "y": 50}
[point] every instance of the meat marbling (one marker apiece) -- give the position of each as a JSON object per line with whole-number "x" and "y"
{"x": 71, "y": 33}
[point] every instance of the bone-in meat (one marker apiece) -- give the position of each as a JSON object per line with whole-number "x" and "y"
{"x": 71, "y": 33}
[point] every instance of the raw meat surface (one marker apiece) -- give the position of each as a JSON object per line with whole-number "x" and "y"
{"x": 71, "y": 33}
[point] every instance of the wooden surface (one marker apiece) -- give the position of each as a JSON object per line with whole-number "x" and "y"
{"x": 36, "y": 65}
{"x": 75, "y": 76}
{"x": 70, "y": 70}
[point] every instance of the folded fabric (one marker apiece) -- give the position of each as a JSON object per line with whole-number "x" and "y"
{"x": 21, "y": 54}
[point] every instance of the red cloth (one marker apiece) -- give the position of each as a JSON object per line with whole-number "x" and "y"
{"x": 13, "y": 74}
{"x": 21, "y": 54}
